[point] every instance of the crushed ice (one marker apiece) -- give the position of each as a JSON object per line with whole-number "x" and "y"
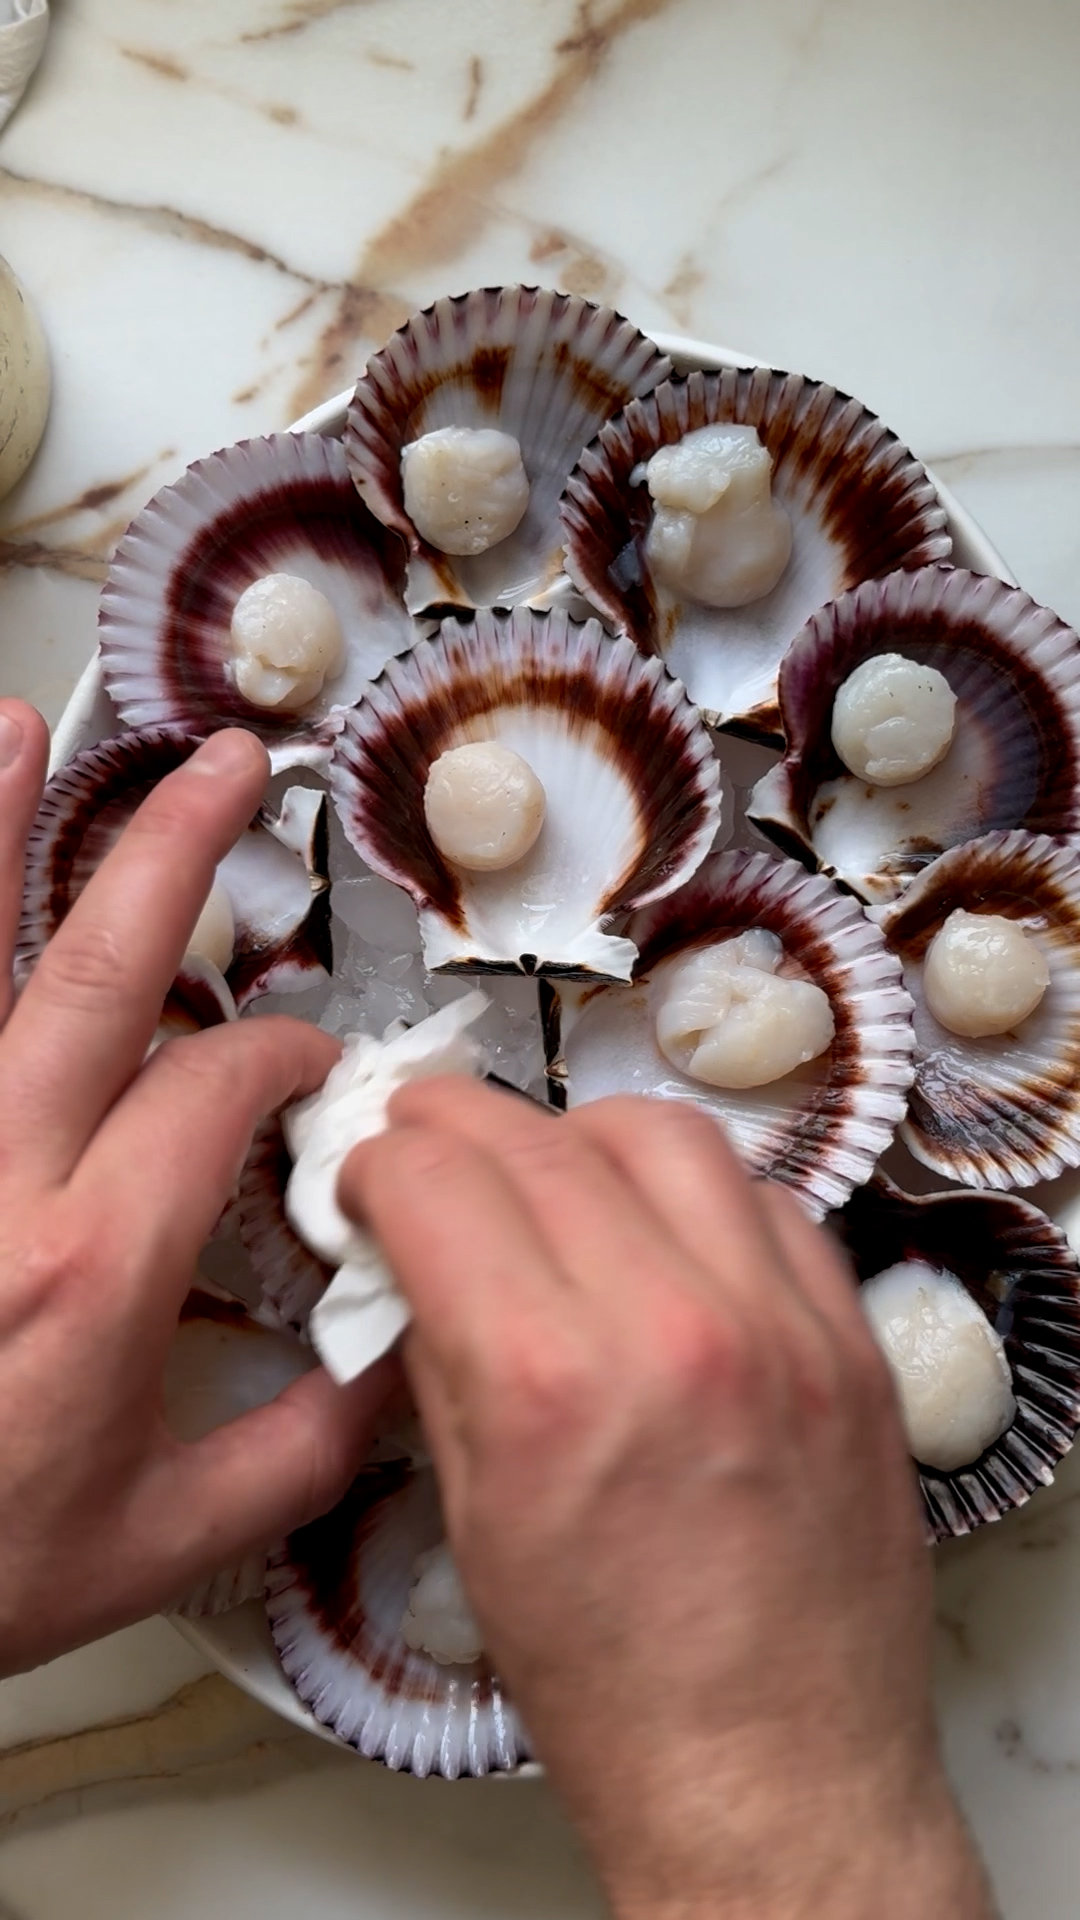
{"x": 380, "y": 977}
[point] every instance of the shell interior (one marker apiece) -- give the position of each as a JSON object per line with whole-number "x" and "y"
{"x": 821, "y": 1128}
{"x": 1020, "y": 1269}
{"x": 275, "y": 875}
{"x": 631, "y": 781}
{"x": 1005, "y": 1111}
{"x": 859, "y": 503}
{"x": 1015, "y": 759}
{"x": 547, "y": 368}
{"x": 337, "y": 1593}
{"x": 284, "y": 504}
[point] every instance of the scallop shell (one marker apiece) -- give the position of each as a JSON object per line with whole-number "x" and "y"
{"x": 222, "y": 1363}
{"x": 1015, "y": 759}
{"x": 337, "y": 1593}
{"x": 547, "y": 368}
{"x": 820, "y": 1129}
{"x": 290, "y": 1277}
{"x": 285, "y": 504}
{"x": 1001, "y": 1112}
{"x": 859, "y": 503}
{"x": 628, "y": 768}
{"x": 1018, "y": 1266}
{"x": 275, "y": 875}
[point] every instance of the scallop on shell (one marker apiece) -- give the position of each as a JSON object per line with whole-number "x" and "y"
{"x": 223, "y": 1362}
{"x": 1020, "y": 1270}
{"x": 859, "y": 504}
{"x": 627, "y": 767}
{"x": 284, "y": 504}
{"x": 546, "y": 368}
{"x": 1014, "y": 668}
{"x": 338, "y": 1591}
{"x": 275, "y": 875}
{"x": 1002, "y": 1111}
{"x": 821, "y": 1128}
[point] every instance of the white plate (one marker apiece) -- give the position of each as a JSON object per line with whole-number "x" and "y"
{"x": 239, "y": 1643}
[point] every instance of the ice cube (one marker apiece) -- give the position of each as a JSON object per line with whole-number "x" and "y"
{"x": 379, "y": 912}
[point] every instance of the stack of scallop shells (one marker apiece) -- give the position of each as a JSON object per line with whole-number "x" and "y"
{"x": 517, "y": 552}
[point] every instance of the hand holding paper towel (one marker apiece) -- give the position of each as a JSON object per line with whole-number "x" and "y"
{"x": 362, "y": 1313}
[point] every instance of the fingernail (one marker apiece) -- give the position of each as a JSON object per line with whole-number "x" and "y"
{"x": 224, "y": 754}
{"x": 11, "y": 739}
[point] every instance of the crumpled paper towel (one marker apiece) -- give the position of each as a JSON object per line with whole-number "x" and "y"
{"x": 362, "y": 1313}
{"x": 24, "y": 25}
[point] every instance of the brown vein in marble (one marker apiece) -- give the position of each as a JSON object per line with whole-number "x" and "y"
{"x": 476, "y": 83}
{"x": 159, "y": 63}
{"x": 209, "y": 1738}
{"x": 1014, "y": 1744}
{"x": 687, "y": 279}
{"x": 91, "y": 500}
{"x": 300, "y": 14}
{"x": 159, "y": 219}
{"x": 454, "y": 206}
{"x": 451, "y": 211}
{"x": 375, "y": 57}
{"x": 77, "y": 562}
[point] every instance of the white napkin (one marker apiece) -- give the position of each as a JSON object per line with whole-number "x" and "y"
{"x": 362, "y": 1313}
{"x": 23, "y": 27}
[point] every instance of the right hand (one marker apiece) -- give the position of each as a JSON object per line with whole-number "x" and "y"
{"x": 676, "y": 1485}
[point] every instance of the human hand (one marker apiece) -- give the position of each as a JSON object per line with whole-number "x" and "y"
{"x": 676, "y": 1486}
{"x": 112, "y": 1175}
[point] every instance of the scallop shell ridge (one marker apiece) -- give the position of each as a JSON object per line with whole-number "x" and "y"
{"x": 1006, "y": 1112}
{"x": 859, "y": 502}
{"x": 612, "y": 736}
{"x": 546, "y": 367}
{"x": 337, "y": 1591}
{"x": 1020, "y": 1268}
{"x": 282, "y": 504}
{"x": 838, "y": 1121}
{"x": 1014, "y": 667}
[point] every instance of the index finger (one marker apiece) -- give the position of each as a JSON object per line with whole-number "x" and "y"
{"x": 463, "y": 1247}
{"x": 88, "y": 1013}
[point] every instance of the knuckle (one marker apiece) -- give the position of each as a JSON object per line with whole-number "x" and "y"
{"x": 701, "y": 1354}
{"x": 552, "y": 1154}
{"x": 85, "y": 969}
{"x": 547, "y": 1387}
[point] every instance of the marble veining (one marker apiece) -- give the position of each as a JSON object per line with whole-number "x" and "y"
{"x": 219, "y": 213}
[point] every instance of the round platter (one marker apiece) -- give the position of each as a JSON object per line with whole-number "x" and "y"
{"x": 239, "y": 1643}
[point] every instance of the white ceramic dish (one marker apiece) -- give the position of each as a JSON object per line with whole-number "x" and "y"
{"x": 239, "y": 1643}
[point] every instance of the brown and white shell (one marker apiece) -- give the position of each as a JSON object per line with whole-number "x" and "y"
{"x": 337, "y": 1592}
{"x": 1004, "y": 1111}
{"x": 547, "y": 368}
{"x": 1015, "y": 758}
{"x": 283, "y": 504}
{"x": 275, "y": 875}
{"x": 819, "y": 1129}
{"x": 626, "y": 763}
{"x": 1021, "y": 1271}
{"x": 859, "y": 503}
{"x": 291, "y": 1278}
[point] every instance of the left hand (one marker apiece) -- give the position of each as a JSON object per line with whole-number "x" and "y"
{"x": 113, "y": 1172}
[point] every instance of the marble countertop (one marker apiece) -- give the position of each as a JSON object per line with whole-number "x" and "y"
{"x": 219, "y": 209}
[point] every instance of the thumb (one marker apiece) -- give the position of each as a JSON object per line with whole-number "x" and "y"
{"x": 248, "y": 1483}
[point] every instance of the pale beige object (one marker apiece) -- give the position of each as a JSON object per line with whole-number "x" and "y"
{"x": 24, "y": 25}
{"x": 25, "y": 381}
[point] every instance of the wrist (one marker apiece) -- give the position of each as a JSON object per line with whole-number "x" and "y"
{"x": 897, "y": 1868}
